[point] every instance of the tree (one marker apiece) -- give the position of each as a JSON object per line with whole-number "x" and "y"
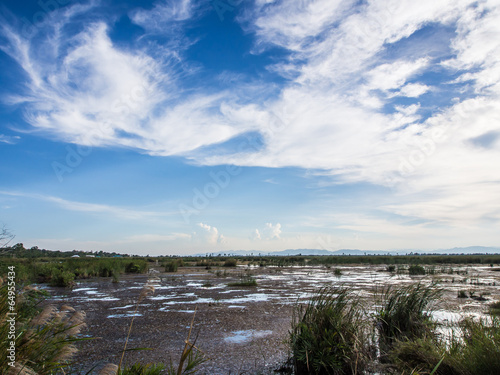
{"x": 5, "y": 237}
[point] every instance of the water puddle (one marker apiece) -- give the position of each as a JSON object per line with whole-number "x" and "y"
{"x": 240, "y": 337}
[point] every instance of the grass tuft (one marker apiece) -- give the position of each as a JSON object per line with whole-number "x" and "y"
{"x": 246, "y": 281}
{"x": 327, "y": 334}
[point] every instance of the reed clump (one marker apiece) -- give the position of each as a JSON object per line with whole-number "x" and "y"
{"x": 328, "y": 335}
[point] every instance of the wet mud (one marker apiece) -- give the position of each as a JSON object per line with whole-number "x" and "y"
{"x": 242, "y": 330}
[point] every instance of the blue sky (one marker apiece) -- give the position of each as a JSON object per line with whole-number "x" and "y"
{"x": 179, "y": 127}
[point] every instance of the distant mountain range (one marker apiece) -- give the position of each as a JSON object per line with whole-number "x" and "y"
{"x": 292, "y": 252}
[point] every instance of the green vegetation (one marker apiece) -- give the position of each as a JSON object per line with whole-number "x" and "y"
{"x": 64, "y": 271}
{"x": 171, "y": 266}
{"x": 45, "y": 337}
{"x": 416, "y": 269}
{"x": 331, "y": 336}
{"x": 245, "y": 281}
{"x": 405, "y": 314}
{"x": 231, "y": 262}
{"x": 473, "y": 350}
{"x": 327, "y": 335}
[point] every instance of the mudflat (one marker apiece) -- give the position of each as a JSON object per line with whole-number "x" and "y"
{"x": 240, "y": 329}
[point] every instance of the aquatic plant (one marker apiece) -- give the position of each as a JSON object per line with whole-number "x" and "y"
{"x": 415, "y": 269}
{"x": 327, "y": 335}
{"x": 405, "y": 313}
{"x": 245, "y": 281}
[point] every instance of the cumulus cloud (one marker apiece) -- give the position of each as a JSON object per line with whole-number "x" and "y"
{"x": 268, "y": 232}
{"x": 209, "y": 234}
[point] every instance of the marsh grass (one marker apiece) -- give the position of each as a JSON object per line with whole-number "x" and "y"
{"x": 245, "y": 281}
{"x": 46, "y": 337}
{"x": 405, "y": 314}
{"x": 328, "y": 336}
{"x": 473, "y": 349}
{"x": 416, "y": 269}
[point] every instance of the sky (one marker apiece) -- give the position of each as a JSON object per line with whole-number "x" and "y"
{"x": 192, "y": 126}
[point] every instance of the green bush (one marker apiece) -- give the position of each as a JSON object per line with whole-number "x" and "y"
{"x": 171, "y": 266}
{"x": 132, "y": 268}
{"x": 415, "y": 269}
{"x": 63, "y": 278}
{"x": 231, "y": 262}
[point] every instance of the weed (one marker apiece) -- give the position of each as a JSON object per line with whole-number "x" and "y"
{"x": 415, "y": 269}
{"x": 327, "y": 334}
{"x": 171, "y": 266}
{"x": 45, "y": 337}
{"x": 405, "y": 314}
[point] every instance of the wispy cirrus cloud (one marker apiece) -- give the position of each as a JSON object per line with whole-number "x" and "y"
{"x": 92, "y": 208}
{"x": 9, "y": 139}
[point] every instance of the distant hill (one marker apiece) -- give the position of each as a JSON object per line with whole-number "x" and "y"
{"x": 311, "y": 252}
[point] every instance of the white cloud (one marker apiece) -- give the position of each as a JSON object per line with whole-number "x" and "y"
{"x": 82, "y": 97}
{"x": 255, "y": 236}
{"x": 268, "y": 232}
{"x": 161, "y": 16}
{"x": 414, "y": 90}
{"x": 209, "y": 234}
{"x": 394, "y": 75}
{"x": 93, "y": 208}
{"x": 272, "y": 231}
{"x": 10, "y": 140}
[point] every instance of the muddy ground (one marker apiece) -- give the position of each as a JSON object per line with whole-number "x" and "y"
{"x": 242, "y": 330}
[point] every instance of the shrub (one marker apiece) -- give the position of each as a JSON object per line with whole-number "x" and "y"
{"x": 231, "y": 262}
{"x": 415, "y": 269}
{"x": 63, "y": 278}
{"x": 171, "y": 266}
{"x": 132, "y": 268}
{"x": 327, "y": 334}
{"x": 391, "y": 268}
